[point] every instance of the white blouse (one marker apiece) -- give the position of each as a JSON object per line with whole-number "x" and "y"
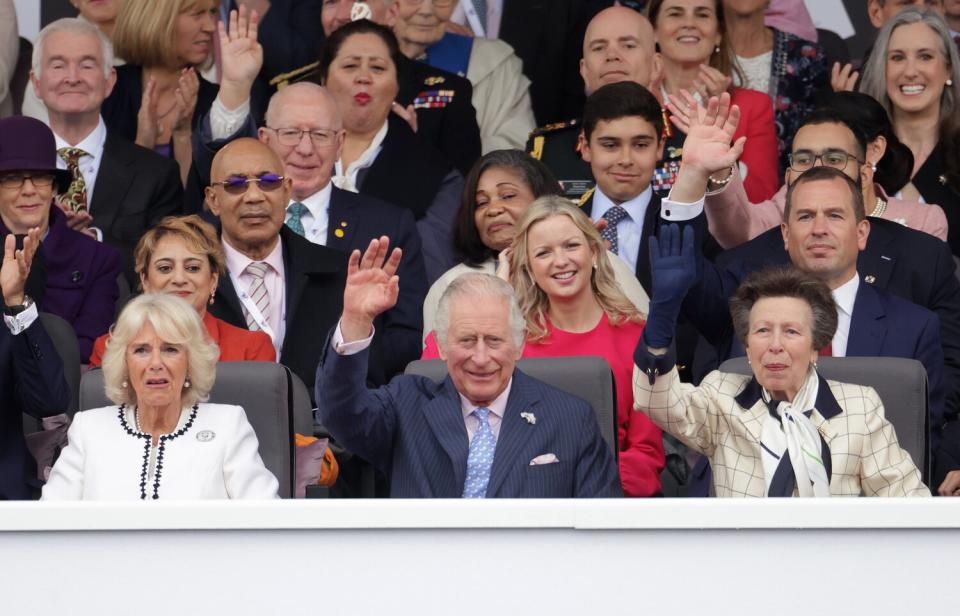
{"x": 213, "y": 453}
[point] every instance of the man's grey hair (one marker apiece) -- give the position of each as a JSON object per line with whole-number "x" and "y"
{"x": 483, "y": 287}
{"x": 72, "y": 25}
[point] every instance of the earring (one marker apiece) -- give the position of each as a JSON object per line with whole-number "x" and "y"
{"x": 124, "y": 384}
{"x": 716, "y": 49}
{"x": 212, "y": 297}
{"x": 873, "y": 167}
{"x": 186, "y": 383}
{"x": 949, "y": 82}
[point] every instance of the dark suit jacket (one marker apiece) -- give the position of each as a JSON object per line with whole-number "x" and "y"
{"x": 81, "y": 280}
{"x": 928, "y": 182}
{"x": 315, "y": 277}
{"x": 354, "y": 221}
{"x": 413, "y": 430}
{"x": 135, "y": 188}
{"x": 451, "y": 129}
{"x": 548, "y": 36}
{"x": 31, "y": 381}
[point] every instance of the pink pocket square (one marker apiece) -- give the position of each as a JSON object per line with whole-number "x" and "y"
{"x": 546, "y": 458}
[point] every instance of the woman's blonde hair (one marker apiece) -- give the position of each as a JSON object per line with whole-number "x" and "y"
{"x": 176, "y": 322}
{"x": 145, "y": 33}
{"x": 534, "y": 303}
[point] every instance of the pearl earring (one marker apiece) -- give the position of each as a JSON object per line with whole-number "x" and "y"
{"x": 873, "y": 167}
{"x": 186, "y": 384}
{"x": 716, "y": 49}
{"x": 123, "y": 384}
{"x": 949, "y": 82}
{"x": 212, "y": 297}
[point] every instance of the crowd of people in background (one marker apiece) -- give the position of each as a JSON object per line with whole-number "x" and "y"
{"x": 345, "y": 187}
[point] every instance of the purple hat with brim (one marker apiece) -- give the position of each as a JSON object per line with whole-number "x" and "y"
{"x": 27, "y": 144}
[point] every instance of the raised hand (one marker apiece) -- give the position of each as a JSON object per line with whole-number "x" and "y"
{"x": 241, "y": 56}
{"x": 372, "y": 288}
{"x": 16, "y": 265}
{"x": 710, "y": 132}
{"x": 673, "y": 269}
{"x": 843, "y": 79}
{"x": 188, "y": 85}
{"x": 147, "y": 127}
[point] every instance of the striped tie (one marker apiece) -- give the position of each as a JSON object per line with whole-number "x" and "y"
{"x": 257, "y": 292}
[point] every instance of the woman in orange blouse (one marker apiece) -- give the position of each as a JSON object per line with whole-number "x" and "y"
{"x": 182, "y": 256}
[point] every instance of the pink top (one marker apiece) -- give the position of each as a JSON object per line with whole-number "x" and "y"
{"x": 641, "y": 442}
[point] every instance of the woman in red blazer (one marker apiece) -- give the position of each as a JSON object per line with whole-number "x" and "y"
{"x": 697, "y": 57}
{"x": 182, "y": 255}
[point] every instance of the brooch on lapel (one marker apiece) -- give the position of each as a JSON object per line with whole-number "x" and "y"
{"x": 529, "y": 417}
{"x": 870, "y": 279}
{"x": 205, "y": 436}
{"x": 339, "y": 232}
{"x": 432, "y": 81}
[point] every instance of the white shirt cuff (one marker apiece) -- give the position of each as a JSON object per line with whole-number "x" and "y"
{"x": 16, "y": 324}
{"x": 676, "y": 211}
{"x": 225, "y": 122}
{"x": 98, "y": 232}
{"x": 350, "y": 348}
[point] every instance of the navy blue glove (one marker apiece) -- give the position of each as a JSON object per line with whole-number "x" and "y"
{"x": 673, "y": 268}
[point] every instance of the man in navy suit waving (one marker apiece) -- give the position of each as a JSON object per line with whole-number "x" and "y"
{"x": 487, "y": 430}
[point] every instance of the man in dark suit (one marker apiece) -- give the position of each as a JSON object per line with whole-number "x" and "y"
{"x": 31, "y": 372}
{"x": 277, "y": 281}
{"x": 488, "y": 430}
{"x": 307, "y": 135}
{"x": 119, "y": 189}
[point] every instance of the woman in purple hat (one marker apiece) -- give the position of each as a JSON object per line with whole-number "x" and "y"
{"x": 81, "y": 281}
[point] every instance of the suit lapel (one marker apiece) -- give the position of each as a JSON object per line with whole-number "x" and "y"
{"x": 874, "y": 264}
{"x": 754, "y": 408}
{"x": 113, "y": 182}
{"x": 228, "y": 303}
{"x": 514, "y": 432}
{"x": 651, "y": 225}
{"x": 867, "y": 325}
{"x": 341, "y": 221}
{"x": 445, "y": 417}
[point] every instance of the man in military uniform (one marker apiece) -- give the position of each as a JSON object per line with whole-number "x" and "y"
{"x": 434, "y": 101}
{"x": 618, "y": 46}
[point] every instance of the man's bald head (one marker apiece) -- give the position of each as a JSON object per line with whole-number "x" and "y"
{"x": 301, "y": 94}
{"x": 618, "y": 46}
{"x": 251, "y": 213}
{"x": 241, "y": 153}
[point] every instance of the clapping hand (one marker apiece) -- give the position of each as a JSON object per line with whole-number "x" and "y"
{"x": 16, "y": 265}
{"x": 188, "y": 85}
{"x": 147, "y": 127}
{"x": 673, "y": 268}
{"x": 711, "y": 82}
{"x": 843, "y": 78}
{"x": 372, "y": 288}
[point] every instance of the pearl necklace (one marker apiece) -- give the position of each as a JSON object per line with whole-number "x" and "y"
{"x": 879, "y": 208}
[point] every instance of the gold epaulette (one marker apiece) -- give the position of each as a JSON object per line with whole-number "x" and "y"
{"x": 283, "y": 79}
{"x": 586, "y": 197}
{"x": 550, "y": 128}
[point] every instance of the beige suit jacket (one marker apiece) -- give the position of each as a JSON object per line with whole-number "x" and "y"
{"x": 866, "y": 457}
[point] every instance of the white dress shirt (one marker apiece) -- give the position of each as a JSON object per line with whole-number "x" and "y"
{"x": 19, "y": 322}
{"x": 89, "y": 164}
{"x": 845, "y": 296}
{"x": 317, "y": 218}
{"x": 630, "y": 229}
{"x": 347, "y": 180}
{"x": 274, "y": 280}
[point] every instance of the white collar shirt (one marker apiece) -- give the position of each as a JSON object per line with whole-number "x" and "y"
{"x": 347, "y": 180}
{"x": 845, "y": 296}
{"x": 630, "y": 229}
{"x": 489, "y": 22}
{"x": 89, "y": 164}
{"x": 316, "y": 220}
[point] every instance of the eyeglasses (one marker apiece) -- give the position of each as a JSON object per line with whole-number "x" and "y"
{"x": 801, "y": 160}
{"x": 440, "y": 4}
{"x": 321, "y": 137}
{"x": 238, "y": 184}
{"x": 15, "y": 181}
